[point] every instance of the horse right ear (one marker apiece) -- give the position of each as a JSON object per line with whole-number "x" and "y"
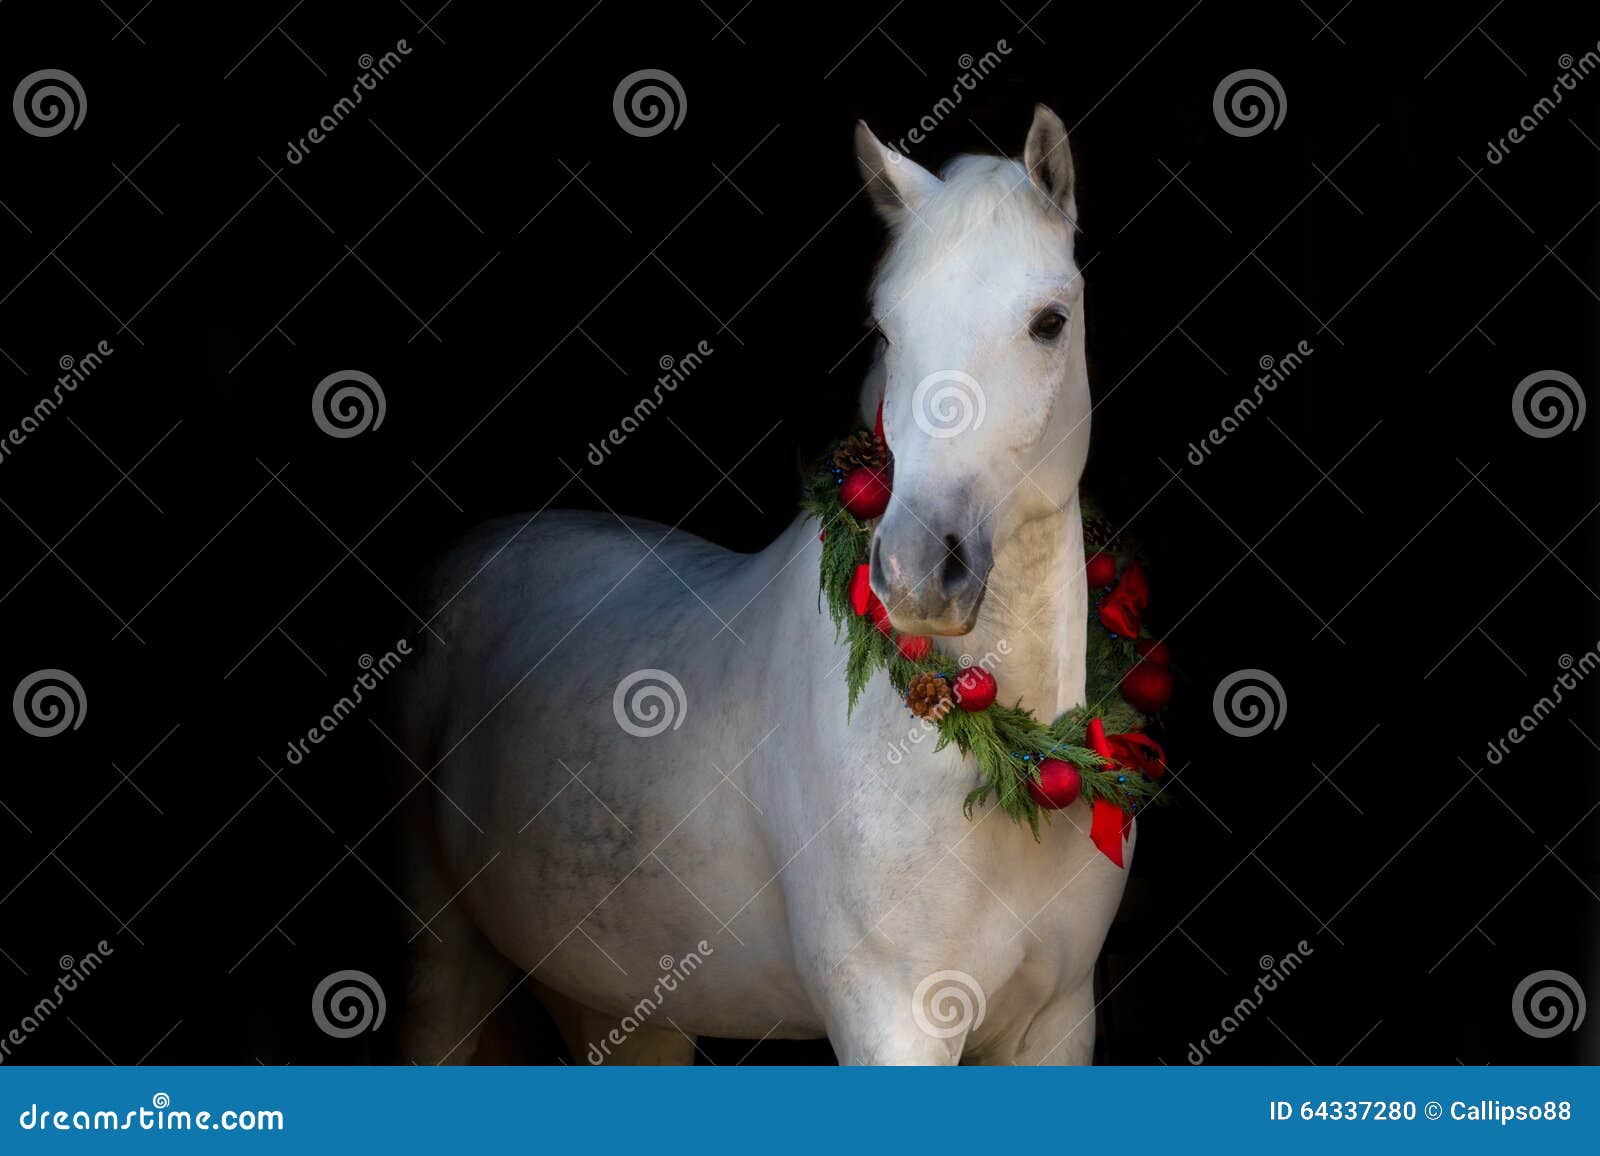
{"x": 897, "y": 184}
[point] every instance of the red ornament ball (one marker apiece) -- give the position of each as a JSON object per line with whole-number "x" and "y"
{"x": 880, "y": 617}
{"x": 864, "y": 492}
{"x": 1148, "y": 688}
{"x": 1101, "y": 570}
{"x": 1154, "y": 650}
{"x": 1058, "y": 785}
{"x": 914, "y": 647}
{"x": 975, "y": 689}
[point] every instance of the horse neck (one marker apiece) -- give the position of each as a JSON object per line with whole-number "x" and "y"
{"x": 1032, "y": 631}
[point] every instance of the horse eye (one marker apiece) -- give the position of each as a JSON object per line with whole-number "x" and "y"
{"x": 1048, "y": 326}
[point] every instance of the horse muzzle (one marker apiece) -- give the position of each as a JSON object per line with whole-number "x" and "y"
{"x": 932, "y": 576}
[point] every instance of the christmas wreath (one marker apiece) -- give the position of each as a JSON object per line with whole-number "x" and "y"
{"x": 1098, "y": 752}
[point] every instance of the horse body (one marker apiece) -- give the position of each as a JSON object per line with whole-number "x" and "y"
{"x": 650, "y": 802}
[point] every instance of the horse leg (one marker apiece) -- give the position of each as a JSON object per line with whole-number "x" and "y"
{"x": 1062, "y": 1032}
{"x": 455, "y": 978}
{"x": 596, "y": 1038}
{"x": 867, "y": 1012}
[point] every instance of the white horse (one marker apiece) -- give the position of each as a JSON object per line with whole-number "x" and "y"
{"x": 747, "y": 861}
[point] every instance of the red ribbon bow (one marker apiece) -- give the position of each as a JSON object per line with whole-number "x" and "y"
{"x": 1109, "y": 824}
{"x": 1121, "y": 610}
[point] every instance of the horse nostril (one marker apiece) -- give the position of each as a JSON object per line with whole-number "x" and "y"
{"x": 879, "y": 578}
{"x": 956, "y": 572}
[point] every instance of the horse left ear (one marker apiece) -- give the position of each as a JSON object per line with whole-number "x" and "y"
{"x": 1048, "y": 158}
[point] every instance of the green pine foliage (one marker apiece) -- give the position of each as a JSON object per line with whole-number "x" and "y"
{"x": 998, "y": 738}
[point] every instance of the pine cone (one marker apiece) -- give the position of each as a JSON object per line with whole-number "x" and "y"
{"x": 1099, "y": 533}
{"x": 862, "y": 449}
{"x": 928, "y": 696}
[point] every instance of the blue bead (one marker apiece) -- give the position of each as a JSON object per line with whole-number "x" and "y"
{"x": 1122, "y": 778}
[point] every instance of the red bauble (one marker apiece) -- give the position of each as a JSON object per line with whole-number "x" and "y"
{"x": 880, "y": 617}
{"x": 864, "y": 492}
{"x": 914, "y": 647}
{"x": 975, "y": 689}
{"x": 1154, "y": 650}
{"x": 1058, "y": 785}
{"x": 1148, "y": 688}
{"x": 1101, "y": 570}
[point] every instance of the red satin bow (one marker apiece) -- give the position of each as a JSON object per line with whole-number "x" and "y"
{"x": 1121, "y": 610}
{"x": 1109, "y": 824}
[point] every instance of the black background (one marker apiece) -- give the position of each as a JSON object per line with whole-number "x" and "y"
{"x": 556, "y": 258}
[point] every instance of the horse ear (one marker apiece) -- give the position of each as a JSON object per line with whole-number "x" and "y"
{"x": 896, "y": 184}
{"x": 1048, "y": 158}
